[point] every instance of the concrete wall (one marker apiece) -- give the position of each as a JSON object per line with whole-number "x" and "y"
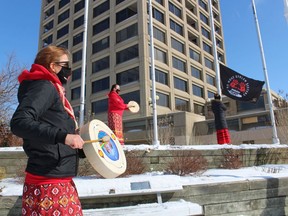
{"x": 266, "y": 196}
{"x": 12, "y": 163}
{"x": 254, "y": 197}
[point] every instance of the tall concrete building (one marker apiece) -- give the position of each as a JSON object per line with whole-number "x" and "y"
{"x": 118, "y": 51}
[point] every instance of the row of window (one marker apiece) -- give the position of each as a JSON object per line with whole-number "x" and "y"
{"x": 101, "y": 106}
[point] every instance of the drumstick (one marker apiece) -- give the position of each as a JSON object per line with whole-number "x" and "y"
{"x": 104, "y": 139}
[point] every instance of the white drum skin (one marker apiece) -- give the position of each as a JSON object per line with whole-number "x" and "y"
{"x": 134, "y": 106}
{"x": 107, "y": 158}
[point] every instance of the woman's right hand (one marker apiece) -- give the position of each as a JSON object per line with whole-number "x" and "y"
{"x": 74, "y": 141}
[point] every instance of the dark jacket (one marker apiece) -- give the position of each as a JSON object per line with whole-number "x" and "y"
{"x": 219, "y": 109}
{"x": 42, "y": 122}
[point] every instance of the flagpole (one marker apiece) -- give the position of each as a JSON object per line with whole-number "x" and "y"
{"x": 216, "y": 64}
{"x": 286, "y": 9}
{"x": 83, "y": 69}
{"x": 274, "y": 136}
{"x": 154, "y": 105}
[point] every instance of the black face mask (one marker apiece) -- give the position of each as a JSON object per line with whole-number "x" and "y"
{"x": 117, "y": 91}
{"x": 64, "y": 74}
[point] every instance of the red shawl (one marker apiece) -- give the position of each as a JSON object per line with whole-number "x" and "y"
{"x": 38, "y": 72}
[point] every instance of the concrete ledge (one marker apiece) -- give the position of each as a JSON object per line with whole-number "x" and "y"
{"x": 180, "y": 208}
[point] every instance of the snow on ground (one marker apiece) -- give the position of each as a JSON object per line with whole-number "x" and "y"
{"x": 93, "y": 185}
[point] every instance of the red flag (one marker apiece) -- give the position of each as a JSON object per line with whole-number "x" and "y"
{"x": 239, "y": 87}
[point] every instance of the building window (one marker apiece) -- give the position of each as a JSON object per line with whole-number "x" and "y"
{"x": 126, "y": 13}
{"x": 100, "y": 85}
{"x": 220, "y": 57}
{"x": 159, "y": 1}
{"x": 49, "y": 12}
{"x": 119, "y": 1}
{"x": 159, "y": 35}
{"x": 198, "y": 91}
{"x": 177, "y": 45}
{"x": 176, "y": 27}
{"x": 244, "y": 106}
{"x": 100, "y": 106}
{"x": 209, "y": 64}
{"x": 179, "y": 64}
{"x": 100, "y": 64}
{"x": 76, "y": 111}
{"x": 197, "y": 73}
{"x": 75, "y": 93}
{"x": 194, "y": 55}
{"x": 128, "y": 76}
{"x": 210, "y": 79}
{"x": 175, "y": 10}
{"x": 76, "y": 74}
{"x": 131, "y": 96}
{"x": 181, "y": 105}
{"x": 127, "y": 33}
{"x": 48, "y": 40}
{"x": 205, "y": 33}
{"x": 78, "y": 6}
{"x": 127, "y": 54}
{"x": 203, "y": 4}
{"x": 204, "y": 19}
{"x": 77, "y": 56}
{"x": 100, "y": 45}
{"x": 210, "y": 94}
{"x": 78, "y": 22}
{"x": 64, "y": 44}
{"x": 62, "y": 3}
{"x": 160, "y": 55}
{"x": 77, "y": 39}
{"x": 158, "y": 15}
{"x": 207, "y": 48}
{"x": 193, "y": 38}
{"x": 180, "y": 84}
{"x": 163, "y": 99}
{"x": 101, "y": 26}
{"x": 63, "y": 31}
{"x": 105, "y": 6}
{"x": 48, "y": 26}
{"x": 63, "y": 16}
{"x": 198, "y": 109}
{"x": 160, "y": 76}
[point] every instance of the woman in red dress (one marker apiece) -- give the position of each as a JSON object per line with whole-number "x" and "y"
{"x": 218, "y": 108}
{"x": 116, "y": 107}
{"x": 45, "y": 120}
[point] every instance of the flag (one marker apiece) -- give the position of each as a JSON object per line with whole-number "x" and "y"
{"x": 239, "y": 87}
{"x": 286, "y": 9}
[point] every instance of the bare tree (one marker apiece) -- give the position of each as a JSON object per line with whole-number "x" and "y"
{"x": 8, "y": 99}
{"x": 281, "y": 116}
{"x": 9, "y": 87}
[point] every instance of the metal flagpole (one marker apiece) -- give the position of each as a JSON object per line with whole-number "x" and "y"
{"x": 83, "y": 69}
{"x": 216, "y": 65}
{"x": 274, "y": 136}
{"x": 154, "y": 105}
{"x": 286, "y": 9}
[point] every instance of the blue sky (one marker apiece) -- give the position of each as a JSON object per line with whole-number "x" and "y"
{"x": 20, "y": 30}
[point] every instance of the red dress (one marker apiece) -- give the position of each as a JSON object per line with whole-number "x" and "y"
{"x": 116, "y": 107}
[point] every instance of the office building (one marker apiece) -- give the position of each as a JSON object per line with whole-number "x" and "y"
{"x": 118, "y": 51}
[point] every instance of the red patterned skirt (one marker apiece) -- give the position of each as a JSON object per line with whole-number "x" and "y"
{"x": 115, "y": 124}
{"x": 223, "y": 136}
{"x": 51, "y": 199}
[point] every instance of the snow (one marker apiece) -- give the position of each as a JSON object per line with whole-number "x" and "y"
{"x": 94, "y": 186}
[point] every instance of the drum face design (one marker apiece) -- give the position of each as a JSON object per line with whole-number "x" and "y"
{"x": 109, "y": 148}
{"x": 107, "y": 158}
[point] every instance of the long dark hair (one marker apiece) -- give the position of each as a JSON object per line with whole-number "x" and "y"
{"x": 112, "y": 87}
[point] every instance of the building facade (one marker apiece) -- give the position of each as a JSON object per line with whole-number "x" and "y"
{"x": 118, "y": 51}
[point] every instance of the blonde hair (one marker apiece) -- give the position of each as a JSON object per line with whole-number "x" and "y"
{"x": 50, "y": 54}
